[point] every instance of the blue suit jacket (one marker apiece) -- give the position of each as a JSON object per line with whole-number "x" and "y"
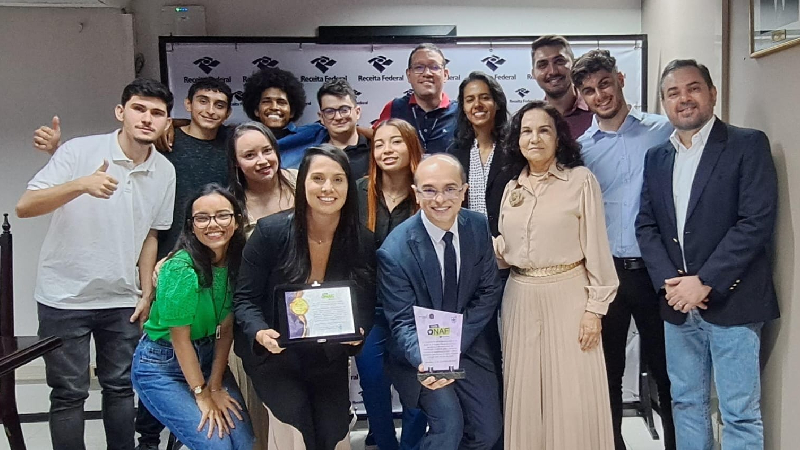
{"x": 409, "y": 275}
{"x": 728, "y": 230}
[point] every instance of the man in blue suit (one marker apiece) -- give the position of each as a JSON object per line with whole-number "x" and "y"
{"x": 442, "y": 258}
{"x": 704, "y": 227}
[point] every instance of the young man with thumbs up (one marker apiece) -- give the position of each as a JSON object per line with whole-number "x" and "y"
{"x": 109, "y": 195}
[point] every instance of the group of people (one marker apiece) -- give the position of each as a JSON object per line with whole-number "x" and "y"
{"x": 547, "y": 231}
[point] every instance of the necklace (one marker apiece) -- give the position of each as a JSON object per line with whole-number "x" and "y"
{"x": 395, "y": 198}
{"x": 317, "y": 241}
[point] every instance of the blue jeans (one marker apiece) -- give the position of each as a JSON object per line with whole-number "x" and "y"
{"x": 377, "y": 395}
{"x": 67, "y": 372}
{"x": 160, "y": 383}
{"x": 696, "y": 350}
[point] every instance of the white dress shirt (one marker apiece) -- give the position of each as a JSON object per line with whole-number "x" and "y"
{"x": 437, "y": 238}
{"x": 684, "y": 169}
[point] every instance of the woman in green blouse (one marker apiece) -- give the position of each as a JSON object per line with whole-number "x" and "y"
{"x": 180, "y": 368}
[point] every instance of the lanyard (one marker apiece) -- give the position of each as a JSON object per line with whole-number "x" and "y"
{"x": 419, "y": 131}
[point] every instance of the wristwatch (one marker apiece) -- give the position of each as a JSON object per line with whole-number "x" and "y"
{"x": 199, "y": 389}
{"x": 598, "y": 315}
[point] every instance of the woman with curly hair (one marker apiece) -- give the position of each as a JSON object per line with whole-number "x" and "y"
{"x": 275, "y": 97}
{"x": 553, "y": 236}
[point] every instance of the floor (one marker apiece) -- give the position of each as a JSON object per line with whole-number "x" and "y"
{"x": 33, "y": 398}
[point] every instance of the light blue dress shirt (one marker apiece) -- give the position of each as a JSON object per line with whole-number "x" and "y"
{"x": 617, "y": 161}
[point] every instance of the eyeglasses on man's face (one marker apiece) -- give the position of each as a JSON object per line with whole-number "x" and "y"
{"x": 420, "y": 68}
{"x": 449, "y": 193}
{"x": 330, "y": 113}
{"x": 222, "y": 219}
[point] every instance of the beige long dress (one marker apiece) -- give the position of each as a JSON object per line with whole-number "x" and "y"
{"x": 556, "y": 396}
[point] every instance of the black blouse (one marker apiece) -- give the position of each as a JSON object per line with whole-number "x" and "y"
{"x": 254, "y": 301}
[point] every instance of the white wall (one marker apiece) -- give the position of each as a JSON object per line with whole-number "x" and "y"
{"x": 73, "y": 62}
{"x": 472, "y": 17}
{"x": 763, "y": 94}
{"x": 684, "y": 29}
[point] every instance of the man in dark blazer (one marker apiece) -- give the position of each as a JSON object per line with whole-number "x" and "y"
{"x": 442, "y": 258}
{"x": 705, "y": 225}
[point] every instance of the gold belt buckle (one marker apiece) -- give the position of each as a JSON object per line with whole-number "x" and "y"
{"x": 547, "y": 271}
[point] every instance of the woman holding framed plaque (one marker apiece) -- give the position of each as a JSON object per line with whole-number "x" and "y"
{"x": 386, "y": 199}
{"x": 180, "y": 368}
{"x": 305, "y": 386}
{"x": 553, "y": 235}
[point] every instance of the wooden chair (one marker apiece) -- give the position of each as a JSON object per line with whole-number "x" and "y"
{"x": 15, "y": 351}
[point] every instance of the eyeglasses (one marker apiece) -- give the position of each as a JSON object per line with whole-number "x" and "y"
{"x": 449, "y": 193}
{"x": 222, "y": 219}
{"x": 330, "y": 113}
{"x": 420, "y": 68}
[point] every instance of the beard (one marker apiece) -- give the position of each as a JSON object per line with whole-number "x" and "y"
{"x": 611, "y": 114}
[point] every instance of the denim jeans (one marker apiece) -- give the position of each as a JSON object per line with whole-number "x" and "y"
{"x": 67, "y": 372}
{"x": 162, "y": 387}
{"x": 375, "y": 387}
{"x": 698, "y": 350}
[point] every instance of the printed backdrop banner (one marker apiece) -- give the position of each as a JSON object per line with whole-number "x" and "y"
{"x": 376, "y": 72}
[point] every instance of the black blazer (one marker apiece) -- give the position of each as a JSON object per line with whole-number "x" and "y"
{"x": 729, "y": 225}
{"x": 409, "y": 275}
{"x": 495, "y": 183}
{"x": 254, "y": 302}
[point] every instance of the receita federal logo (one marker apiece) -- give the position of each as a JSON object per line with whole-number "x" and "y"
{"x": 206, "y": 64}
{"x": 358, "y": 101}
{"x": 522, "y": 92}
{"x": 323, "y": 63}
{"x": 380, "y": 63}
{"x": 265, "y": 62}
{"x": 237, "y": 98}
{"x": 493, "y": 62}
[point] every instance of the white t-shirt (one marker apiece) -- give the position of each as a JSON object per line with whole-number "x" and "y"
{"x": 90, "y": 253}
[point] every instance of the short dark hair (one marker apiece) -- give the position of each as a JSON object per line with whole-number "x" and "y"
{"x": 568, "y": 151}
{"x": 210, "y": 84}
{"x": 591, "y": 62}
{"x": 338, "y": 87}
{"x": 676, "y": 64}
{"x": 465, "y": 134}
{"x": 272, "y": 77}
{"x": 427, "y": 46}
{"x": 146, "y": 87}
{"x": 552, "y": 40}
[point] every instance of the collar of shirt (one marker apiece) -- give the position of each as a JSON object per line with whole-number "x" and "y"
{"x": 579, "y": 104}
{"x": 699, "y": 139}
{"x": 118, "y": 155}
{"x": 436, "y": 233}
{"x": 362, "y": 143}
{"x": 526, "y": 179}
{"x": 291, "y": 128}
{"x": 443, "y": 104}
{"x": 596, "y": 133}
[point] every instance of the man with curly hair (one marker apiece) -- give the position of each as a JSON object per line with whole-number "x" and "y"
{"x": 275, "y": 97}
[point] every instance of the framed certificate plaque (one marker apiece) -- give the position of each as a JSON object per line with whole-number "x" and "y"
{"x": 319, "y": 312}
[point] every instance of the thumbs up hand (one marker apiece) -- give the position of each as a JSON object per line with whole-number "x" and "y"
{"x": 100, "y": 184}
{"x": 47, "y": 138}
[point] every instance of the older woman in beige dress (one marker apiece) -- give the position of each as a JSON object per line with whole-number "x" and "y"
{"x": 553, "y": 236}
